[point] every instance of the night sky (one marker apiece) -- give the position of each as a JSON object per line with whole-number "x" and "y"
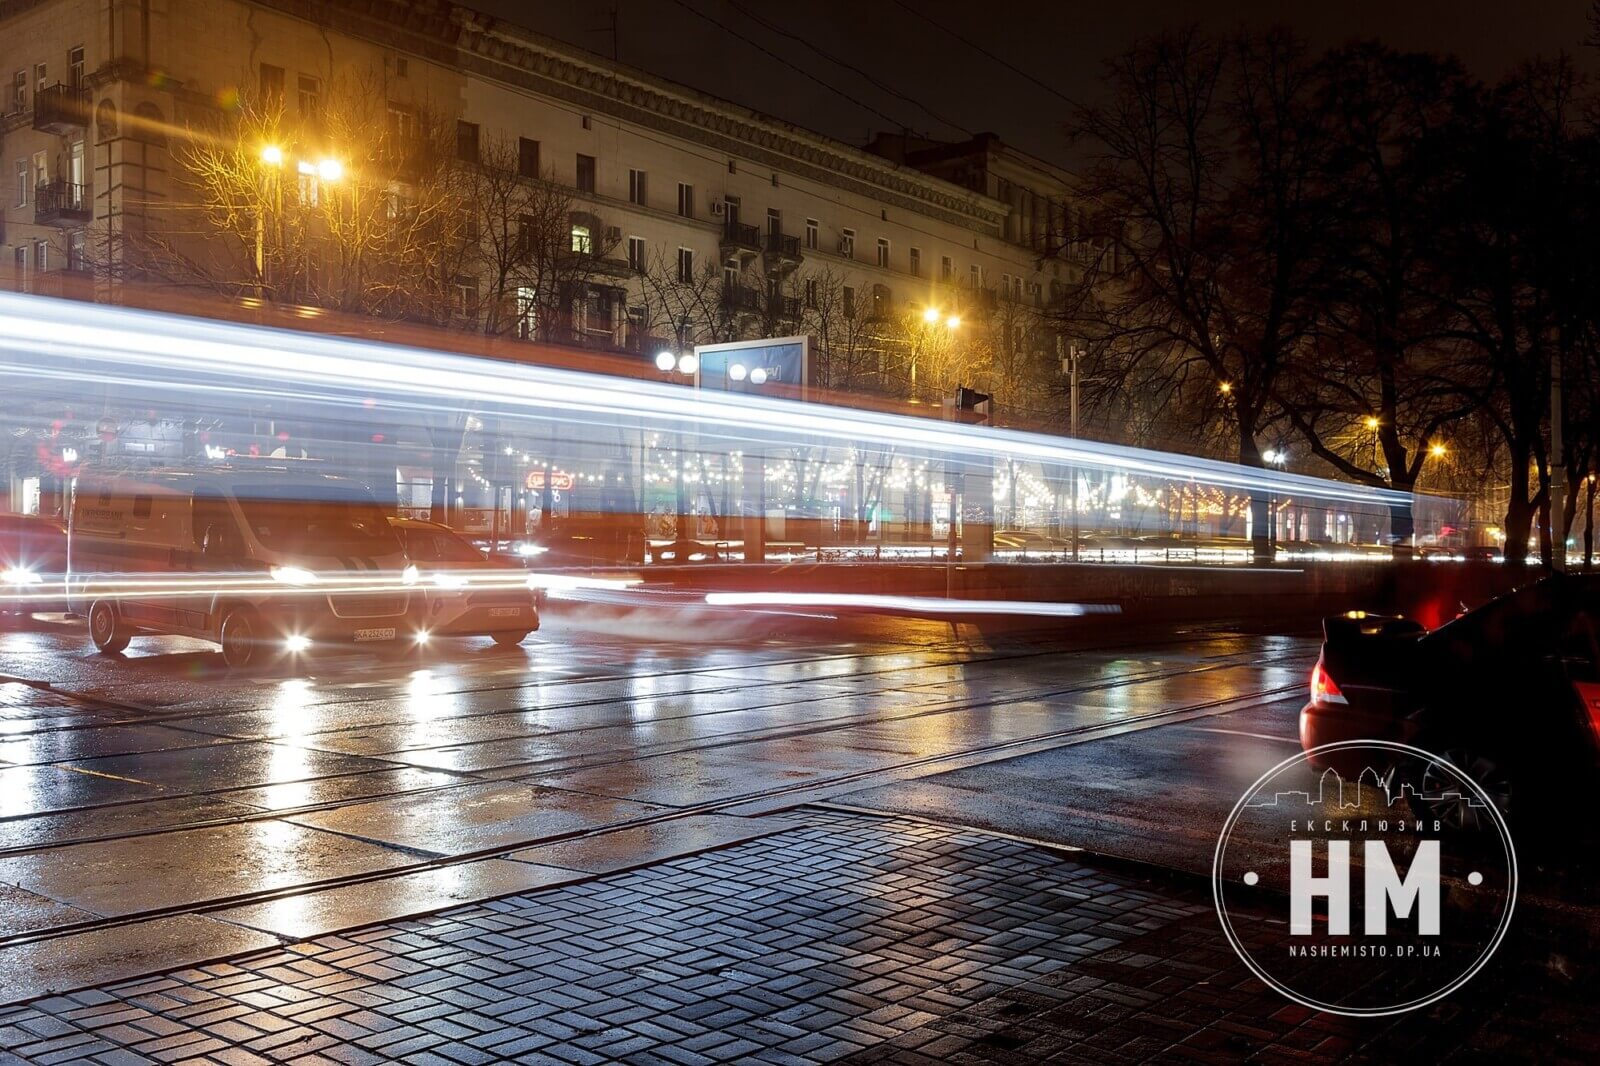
{"x": 1061, "y": 44}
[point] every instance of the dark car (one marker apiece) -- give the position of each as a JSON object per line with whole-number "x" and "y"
{"x": 1508, "y": 692}
{"x": 465, "y": 592}
{"x": 33, "y": 564}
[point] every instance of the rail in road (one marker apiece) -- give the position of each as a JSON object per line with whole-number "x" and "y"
{"x": 773, "y": 797}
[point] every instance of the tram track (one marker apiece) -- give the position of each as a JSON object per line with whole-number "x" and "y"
{"x": 778, "y": 795}
{"x": 558, "y": 764}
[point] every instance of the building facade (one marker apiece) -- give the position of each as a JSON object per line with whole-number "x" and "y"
{"x": 659, "y": 174}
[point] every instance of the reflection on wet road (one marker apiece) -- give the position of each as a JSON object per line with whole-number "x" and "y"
{"x": 162, "y": 793}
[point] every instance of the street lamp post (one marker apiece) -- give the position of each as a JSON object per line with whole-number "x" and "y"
{"x": 271, "y": 156}
{"x": 1069, "y": 366}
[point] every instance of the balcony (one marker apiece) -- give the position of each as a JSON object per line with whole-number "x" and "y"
{"x": 69, "y": 284}
{"x": 741, "y": 299}
{"x": 782, "y": 250}
{"x": 62, "y": 202}
{"x": 785, "y": 308}
{"x": 61, "y": 108}
{"x": 739, "y": 238}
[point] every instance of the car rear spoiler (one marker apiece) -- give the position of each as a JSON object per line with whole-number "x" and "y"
{"x": 1355, "y": 625}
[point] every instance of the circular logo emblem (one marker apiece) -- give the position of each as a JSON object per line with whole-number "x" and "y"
{"x": 1367, "y": 877}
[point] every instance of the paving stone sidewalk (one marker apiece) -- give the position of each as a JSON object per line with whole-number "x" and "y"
{"x": 855, "y": 938}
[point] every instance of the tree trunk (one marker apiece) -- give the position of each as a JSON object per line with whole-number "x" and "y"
{"x": 1260, "y": 505}
{"x": 1402, "y": 521}
{"x": 1588, "y": 524}
{"x": 1519, "y": 510}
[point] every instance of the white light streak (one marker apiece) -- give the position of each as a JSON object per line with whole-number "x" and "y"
{"x": 908, "y": 604}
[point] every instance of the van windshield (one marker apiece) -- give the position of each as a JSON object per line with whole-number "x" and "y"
{"x": 313, "y": 518}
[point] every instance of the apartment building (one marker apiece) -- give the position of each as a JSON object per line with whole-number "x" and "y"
{"x": 659, "y": 172}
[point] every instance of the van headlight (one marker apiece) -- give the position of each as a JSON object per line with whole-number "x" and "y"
{"x": 20, "y": 575}
{"x": 410, "y": 575}
{"x": 294, "y": 575}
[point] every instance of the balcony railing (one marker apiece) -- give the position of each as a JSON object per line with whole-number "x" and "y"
{"x": 62, "y": 201}
{"x": 784, "y": 307}
{"x": 741, "y": 298}
{"x": 58, "y": 108}
{"x": 739, "y": 235}
{"x": 783, "y": 245}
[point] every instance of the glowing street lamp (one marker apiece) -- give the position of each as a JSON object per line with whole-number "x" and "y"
{"x": 1438, "y": 451}
{"x": 665, "y": 361}
{"x": 930, "y": 315}
{"x": 1225, "y": 387}
{"x": 330, "y": 170}
{"x": 1372, "y": 422}
{"x": 272, "y": 155}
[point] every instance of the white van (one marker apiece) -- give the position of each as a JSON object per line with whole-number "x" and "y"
{"x": 256, "y": 557}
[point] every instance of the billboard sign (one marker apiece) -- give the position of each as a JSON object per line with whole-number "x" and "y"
{"x": 774, "y": 364}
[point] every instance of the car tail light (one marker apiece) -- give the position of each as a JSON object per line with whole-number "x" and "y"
{"x": 1323, "y": 688}
{"x": 1590, "y": 695}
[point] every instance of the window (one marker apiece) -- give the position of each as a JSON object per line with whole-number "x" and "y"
{"x": 849, "y": 302}
{"x": 883, "y": 251}
{"x": 310, "y": 96}
{"x": 40, "y": 75}
{"x": 75, "y": 251}
{"x": 1005, "y": 286}
{"x": 402, "y": 66}
{"x": 733, "y": 168}
{"x": 402, "y": 129}
{"x": 467, "y": 141}
{"x": 685, "y": 200}
{"x": 41, "y": 256}
{"x": 527, "y": 304}
{"x": 947, "y": 269}
{"x": 636, "y": 191}
{"x": 584, "y": 122}
{"x": 730, "y": 274}
{"x": 916, "y": 262}
{"x": 41, "y": 169}
{"x": 774, "y": 221}
{"x": 21, "y": 274}
{"x": 271, "y": 83}
{"x": 811, "y": 293}
{"x": 586, "y": 173}
{"x": 306, "y": 184}
{"x": 686, "y": 265}
{"x": 637, "y": 254}
{"x": 464, "y": 297}
{"x": 812, "y": 230}
{"x": 75, "y": 67}
{"x": 847, "y": 243}
{"x": 19, "y": 91}
{"x": 582, "y": 240}
{"x": 23, "y": 184}
{"x": 975, "y": 276}
{"x": 527, "y": 157}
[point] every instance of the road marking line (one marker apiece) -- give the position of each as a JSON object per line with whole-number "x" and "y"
{"x": 97, "y": 773}
{"x": 1243, "y": 733}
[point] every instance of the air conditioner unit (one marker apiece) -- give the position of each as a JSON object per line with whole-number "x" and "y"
{"x": 719, "y": 209}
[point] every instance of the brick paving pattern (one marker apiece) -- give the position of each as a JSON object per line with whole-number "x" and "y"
{"x": 854, "y": 939}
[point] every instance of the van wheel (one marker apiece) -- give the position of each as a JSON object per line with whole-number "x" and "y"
{"x": 106, "y": 629}
{"x": 241, "y": 638}
{"x": 510, "y": 640}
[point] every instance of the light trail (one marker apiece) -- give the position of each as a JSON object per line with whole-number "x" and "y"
{"x": 439, "y": 583}
{"x": 924, "y": 605}
{"x": 42, "y": 337}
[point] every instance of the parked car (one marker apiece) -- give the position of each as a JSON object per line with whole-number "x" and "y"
{"x": 33, "y": 564}
{"x": 464, "y": 591}
{"x": 1509, "y": 693}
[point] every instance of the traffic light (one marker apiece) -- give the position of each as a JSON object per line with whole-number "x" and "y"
{"x": 968, "y": 405}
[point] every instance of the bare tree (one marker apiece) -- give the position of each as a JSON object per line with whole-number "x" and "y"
{"x": 849, "y": 349}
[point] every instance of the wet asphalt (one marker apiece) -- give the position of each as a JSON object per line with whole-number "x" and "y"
{"x": 155, "y": 808}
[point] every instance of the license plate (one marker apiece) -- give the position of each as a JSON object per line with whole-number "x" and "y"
{"x": 384, "y": 633}
{"x": 505, "y": 612}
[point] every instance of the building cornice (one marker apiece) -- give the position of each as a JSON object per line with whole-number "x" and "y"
{"x": 497, "y": 51}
